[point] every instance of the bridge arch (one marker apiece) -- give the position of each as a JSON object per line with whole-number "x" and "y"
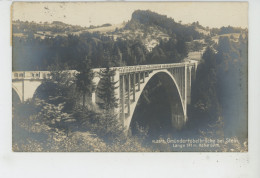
{"x": 44, "y": 90}
{"x": 17, "y": 92}
{"x": 176, "y": 102}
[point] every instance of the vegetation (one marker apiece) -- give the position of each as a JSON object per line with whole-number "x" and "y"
{"x": 219, "y": 95}
{"x": 171, "y": 51}
{"x": 148, "y": 18}
{"x": 122, "y": 47}
{"x": 226, "y": 30}
{"x": 106, "y": 91}
{"x": 31, "y": 28}
{"x": 45, "y": 125}
{"x": 59, "y": 88}
{"x": 84, "y": 80}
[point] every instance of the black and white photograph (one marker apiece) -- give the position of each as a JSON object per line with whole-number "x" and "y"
{"x": 129, "y": 76}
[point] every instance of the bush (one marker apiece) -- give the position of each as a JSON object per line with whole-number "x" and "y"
{"x": 53, "y": 116}
{"x": 76, "y": 142}
{"x": 104, "y": 125}
{"x": 41, "y": 126}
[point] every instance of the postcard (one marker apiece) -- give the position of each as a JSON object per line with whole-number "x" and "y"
{"x": 130, "y": 76}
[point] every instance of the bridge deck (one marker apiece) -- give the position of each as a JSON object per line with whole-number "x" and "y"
{"x": 122, "y": 70}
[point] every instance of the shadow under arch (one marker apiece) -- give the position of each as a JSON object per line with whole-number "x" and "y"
{"x": 55, "y": 94}
{"x": 45, "y": 90}
{"x": 159, "y": 106}
{"x": 16, "y": 99}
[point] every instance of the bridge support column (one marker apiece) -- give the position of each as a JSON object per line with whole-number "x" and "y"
{"x": 138, "y": 81}
{"x": 128, "y": 92}
{"x": 190, "y": 69}
{"x": 185, "y": 92}
{"x": 189, "y": 85}
{"x": 116, "y": 78}
{"x": 134, "y": 87}
{"x": 123, "y": 98}
{"x": 180, "y": 78}
{"x": 179, "y": 74}
{"x": 143, "y": 77}
{"x": 29, "y": 87}
{"x": 183, "y": 82}
{"x": 195, "y": 69}
{"x": 171, "y": 71}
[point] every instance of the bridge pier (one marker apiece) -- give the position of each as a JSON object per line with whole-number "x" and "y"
{"x": 178, "y": 121}
{"x": 123, "y": 97}
{"x": 189, "y": 85}
{"x": 26, "y": 88}
{"x": 116, "y": 78}
{"x": 181, "y": 82}
{"x": 128, "y": 93}
{"x": 138, "y": 81}
{"x": 185, "y": 92}
{"x": 143, "y": 77}
{"x": 134, "y": 87}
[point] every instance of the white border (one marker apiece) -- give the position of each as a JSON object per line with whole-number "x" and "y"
{"x": 42, "y": 165}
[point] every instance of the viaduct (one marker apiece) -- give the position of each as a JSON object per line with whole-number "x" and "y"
{"x": 175, "y": 77}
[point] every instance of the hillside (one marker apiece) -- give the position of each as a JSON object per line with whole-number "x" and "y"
{"x": 166, "y": 24}
{"x": 56, "y": 27}
{"x": 148, "y": 38}
{"x": 146, "y": 26}
{"x": 151, "y": 28}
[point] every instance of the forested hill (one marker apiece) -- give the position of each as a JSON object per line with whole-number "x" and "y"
{"x": 146, "y": 19}
{"x": 147, "y": 38}
{"x": 21, "y": 27}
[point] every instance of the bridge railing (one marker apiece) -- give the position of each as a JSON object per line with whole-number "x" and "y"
{"x": 31, "y": 75}
{"x": 139, "y": 68}
{"x": 125, "y": 69}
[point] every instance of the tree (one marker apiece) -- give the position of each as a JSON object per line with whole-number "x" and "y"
{"x": 224, "y": 45}
{"x": 84, "y": 80}
{"x": 107, "y": 90}
{"x": 182, "y": 47}
{"x": 204, "y": 94}
{"x": 58, "y": 88}
{"x": 209, "y": 40}
{"x": 108, "y": 126}
{"x": 232, "y": 86}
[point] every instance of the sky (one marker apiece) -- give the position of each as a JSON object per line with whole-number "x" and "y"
{"x": 211, "y": 14}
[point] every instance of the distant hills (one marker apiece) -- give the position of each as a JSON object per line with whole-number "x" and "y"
{"x": 168, "y": 25}
{"x": 148, "y": 38}
{"x": 147, "y": 26}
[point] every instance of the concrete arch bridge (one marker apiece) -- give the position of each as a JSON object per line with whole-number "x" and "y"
{"x": 176, "y": 79}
